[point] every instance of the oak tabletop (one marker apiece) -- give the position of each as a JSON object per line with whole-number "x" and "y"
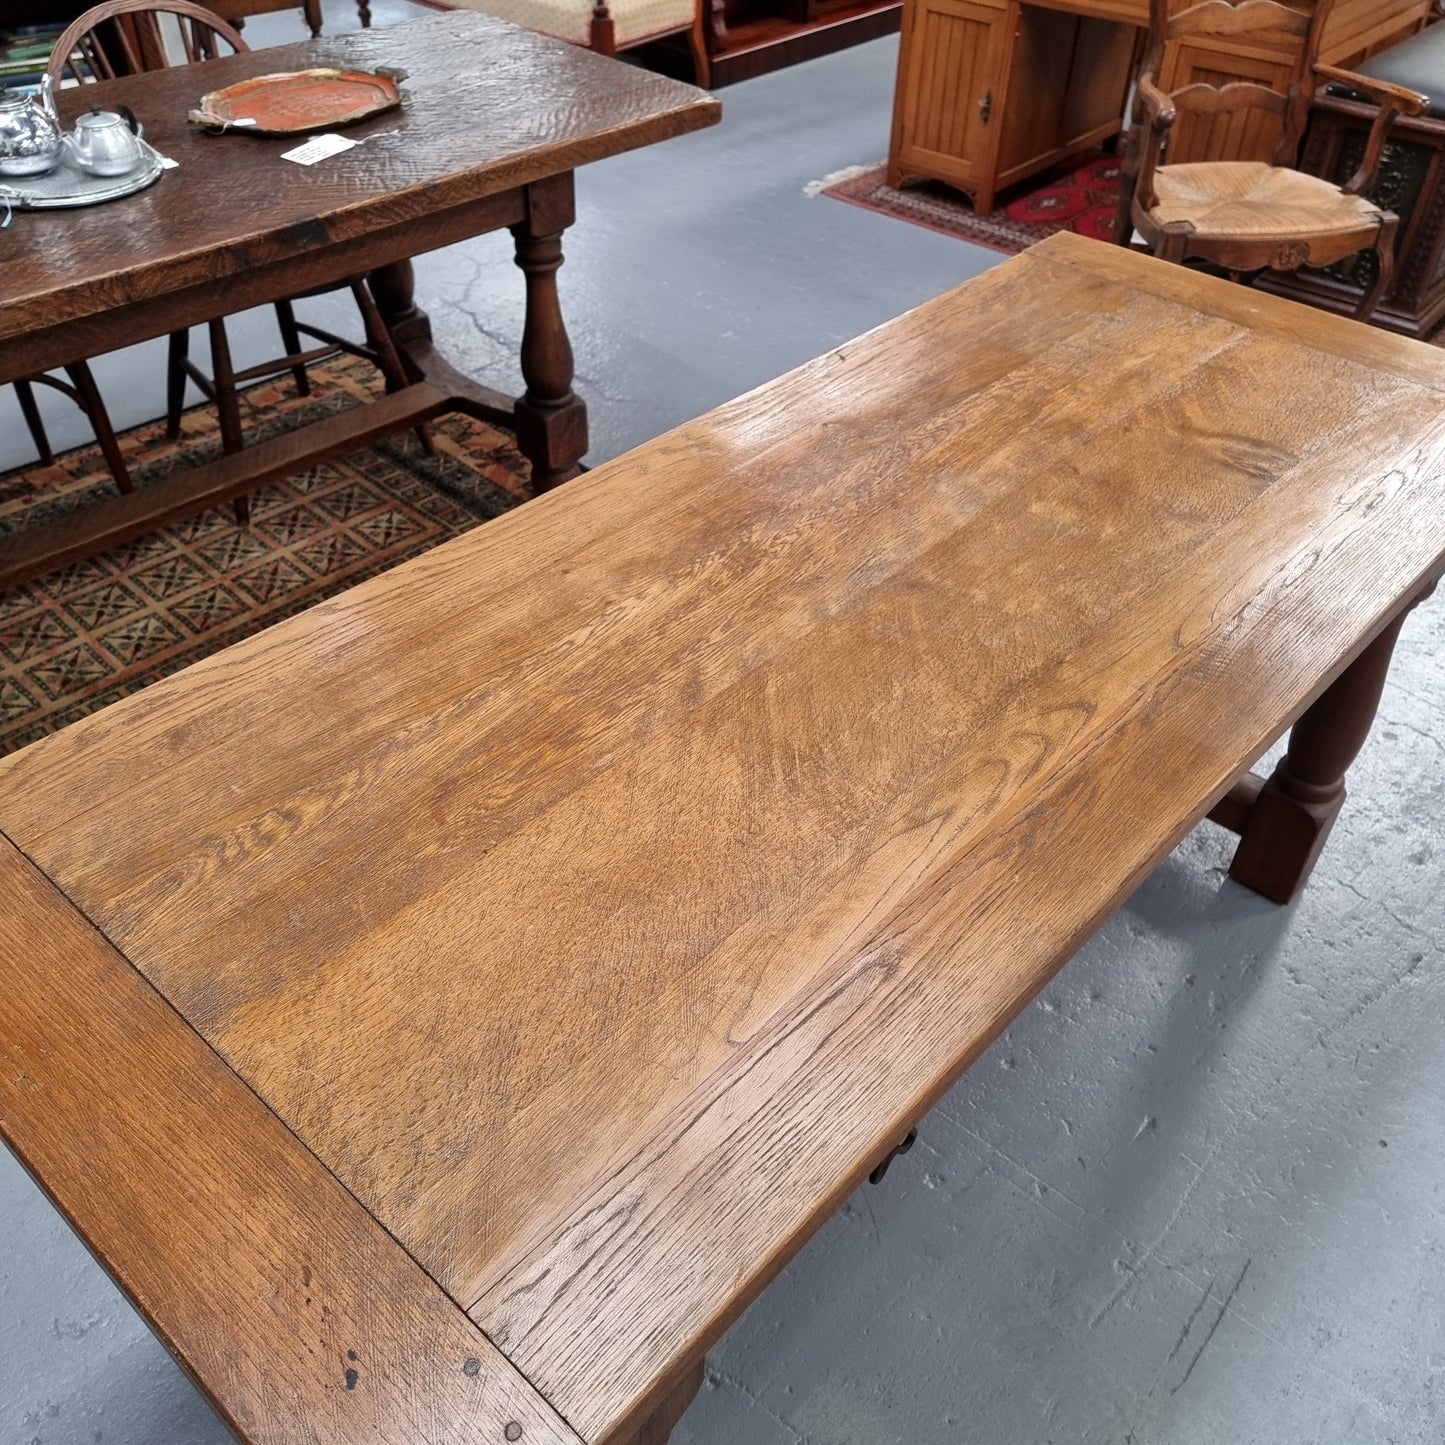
{"x": 487, "y": 107}
{"x": 519, "y": 955}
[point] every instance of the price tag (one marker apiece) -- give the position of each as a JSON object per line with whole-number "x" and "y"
{"x": 318, "y": 148}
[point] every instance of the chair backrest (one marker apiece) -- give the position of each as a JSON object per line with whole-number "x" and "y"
{"x": 1270, "y": 47}
{"x": 121, "y": 37}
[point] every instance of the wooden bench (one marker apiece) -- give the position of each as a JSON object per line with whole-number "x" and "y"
{"x": 443, "y": 1012}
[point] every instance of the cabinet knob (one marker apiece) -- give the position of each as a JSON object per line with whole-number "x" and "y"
{"x": 985, "y": 107}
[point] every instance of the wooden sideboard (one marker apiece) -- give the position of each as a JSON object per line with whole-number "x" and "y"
{"x": 991, "y": 92}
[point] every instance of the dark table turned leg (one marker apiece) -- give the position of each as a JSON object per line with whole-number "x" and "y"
{"x": 1285, "y": 831}
{"x": 551, "y": 419}
{"x": 393, "y": 288}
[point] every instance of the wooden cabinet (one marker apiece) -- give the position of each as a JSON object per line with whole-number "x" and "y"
{"x": 945, "y": 100}
{"x": 991, "y": 92}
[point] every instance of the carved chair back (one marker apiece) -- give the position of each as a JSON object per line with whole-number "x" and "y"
{"x": 1294, "y": 34}
{"x": 121, "y": 37}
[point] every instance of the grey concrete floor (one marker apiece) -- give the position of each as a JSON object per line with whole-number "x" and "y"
{"x": 1195, "y": 1194}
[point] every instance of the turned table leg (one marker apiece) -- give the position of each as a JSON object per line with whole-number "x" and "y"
{"x": 551, "y": 419}
{"x": 393, "y": 288}
{"x": 1283, "y": 833}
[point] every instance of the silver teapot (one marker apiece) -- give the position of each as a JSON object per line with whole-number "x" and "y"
{"x": 106, "y": 143}
{"x": 31, "y": 140}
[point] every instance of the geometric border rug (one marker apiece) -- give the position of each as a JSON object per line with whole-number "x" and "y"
{"x": 1080, "y": 198}
{"x": 74, "y": 640}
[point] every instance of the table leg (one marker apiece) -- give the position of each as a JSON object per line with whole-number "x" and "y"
{"x": 551, "y": 419}
{"x": 1284, "y": 832}
{"x": 393, "y": 288}
{"x": 658, "y": 1426}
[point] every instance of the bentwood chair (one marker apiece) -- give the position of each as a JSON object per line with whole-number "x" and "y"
{"x": 82, "y": 390}
{"x": 123, "y": 37}
{"x": 1246, "y": 217}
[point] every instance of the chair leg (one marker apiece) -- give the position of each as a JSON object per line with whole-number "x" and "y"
{"x": 180, "y": 350}
{"x": 1172, "y": 246}
{"x": 602, "y": 33}
{"x": 291, "y": 340}
{"x": 228, "y": 405}
{"x": 1128, "y": 178}
{"x": 30, "y": 410}
{"x": 1385, "y": 268}
{"x": 378, "y": 336}
{"x": 90, "y": 400}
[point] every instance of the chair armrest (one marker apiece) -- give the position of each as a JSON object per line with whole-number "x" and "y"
{"x": 1145, "y": 145}
{"x": 1393, "y": 100}
{"x": 1404, "y": 100}
{"x": 1158, "y": 116}
{"x": 1159, "y": 112}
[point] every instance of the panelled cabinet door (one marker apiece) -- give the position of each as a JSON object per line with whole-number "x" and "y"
{"x": 1249, "y": 135}
{"x": 953, "y": 63}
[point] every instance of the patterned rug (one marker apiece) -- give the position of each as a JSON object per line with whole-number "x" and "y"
{"x": 1082, "y": 199}
{"x": 75, "y": 640}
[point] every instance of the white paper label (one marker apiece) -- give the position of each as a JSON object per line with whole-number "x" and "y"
{"x": 318, "y": 148}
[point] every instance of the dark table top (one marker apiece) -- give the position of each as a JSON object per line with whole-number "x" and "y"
{"x": 488, "y": 107}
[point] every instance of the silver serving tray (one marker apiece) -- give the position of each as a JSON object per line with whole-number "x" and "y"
{"x": 68, "y": 185}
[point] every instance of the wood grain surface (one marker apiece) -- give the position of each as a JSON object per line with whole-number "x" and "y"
{"x": 488, "y": 107}
{"x": 603, "y": 894}
{"x": 289, "y": 1306}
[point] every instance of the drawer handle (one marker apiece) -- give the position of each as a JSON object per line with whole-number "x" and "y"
{"x": 985, "y": 107}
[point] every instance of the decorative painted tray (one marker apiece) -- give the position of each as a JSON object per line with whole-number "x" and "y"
{"x": 67, "y": 185}
{"x": 299, "y": 100}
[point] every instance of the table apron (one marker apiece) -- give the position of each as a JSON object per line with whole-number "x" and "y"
{"x": 329, "y": 263}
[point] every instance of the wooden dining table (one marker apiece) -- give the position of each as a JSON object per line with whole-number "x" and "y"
{"x": 445, "y": 1011}
{"x": 494, "y": 122}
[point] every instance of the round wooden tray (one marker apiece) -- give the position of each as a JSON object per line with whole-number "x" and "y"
{"x": 300, "y": 100}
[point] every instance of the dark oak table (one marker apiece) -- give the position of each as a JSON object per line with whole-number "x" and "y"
{"x": 443, "y": 1012}
{"x": 495, "y": 121}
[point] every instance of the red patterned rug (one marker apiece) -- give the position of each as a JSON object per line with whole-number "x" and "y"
{"x": 75, "y": 640}
{"x": 1081, "y": 199}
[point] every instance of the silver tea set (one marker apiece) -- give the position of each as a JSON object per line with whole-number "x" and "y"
{"x": 33, "y": 141}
